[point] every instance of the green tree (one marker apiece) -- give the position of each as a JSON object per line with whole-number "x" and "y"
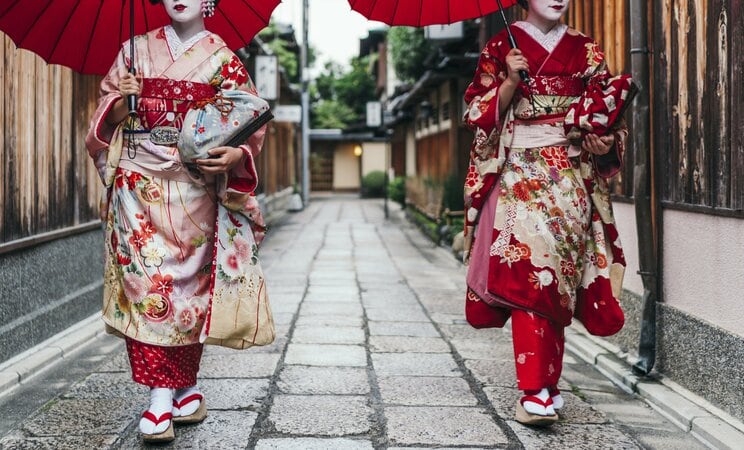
{"x": 286, "y": 51}
{"x": 408, "y": 48}
{"x": 341, "y": 95}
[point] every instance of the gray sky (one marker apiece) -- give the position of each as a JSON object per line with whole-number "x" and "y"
{"x": 334, "y": 28}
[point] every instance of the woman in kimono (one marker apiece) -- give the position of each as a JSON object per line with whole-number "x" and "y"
{"x": 160, "y": 215}
{"x": 545, "y": 248}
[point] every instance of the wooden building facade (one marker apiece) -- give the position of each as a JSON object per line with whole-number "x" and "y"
{"x": 50, "y": 231}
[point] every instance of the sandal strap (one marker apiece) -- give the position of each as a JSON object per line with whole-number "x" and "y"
{"x": 188, "y": 399}
{"x": 537, "y": 400}
{"x": 157, "y": 420}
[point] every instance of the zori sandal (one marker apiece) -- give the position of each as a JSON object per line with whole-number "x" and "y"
{"x": 167, "y": 435}
{"x": 184, "y": 412}
{"x": 535, "y": 412}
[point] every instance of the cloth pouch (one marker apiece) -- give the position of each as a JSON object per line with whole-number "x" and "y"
{"x": 227, "y": 119}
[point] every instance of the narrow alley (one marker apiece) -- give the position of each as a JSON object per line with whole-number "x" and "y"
{"x": 372, "y": 351}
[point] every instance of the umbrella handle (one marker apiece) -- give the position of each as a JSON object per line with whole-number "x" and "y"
{"x": 131, "y": 98}
{"x": 512, "y": 42}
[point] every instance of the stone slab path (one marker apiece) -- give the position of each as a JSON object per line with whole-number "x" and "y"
{"x": 372, "y": 352}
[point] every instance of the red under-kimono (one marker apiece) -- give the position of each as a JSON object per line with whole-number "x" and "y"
{"x": 160, "y": 215}
{"x": 545, "y": 248}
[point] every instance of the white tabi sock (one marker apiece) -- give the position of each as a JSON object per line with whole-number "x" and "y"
{"x": 535, "y": 408}
{"x": 188, "y": 408}
{"x": 161, "y": 402}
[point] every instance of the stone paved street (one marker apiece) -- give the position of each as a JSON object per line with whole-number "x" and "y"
{"x": 372, "y": 352}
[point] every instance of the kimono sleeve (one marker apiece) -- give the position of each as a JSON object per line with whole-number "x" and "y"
{"x": 100, "y": 133}
{"x": 482, "y": 95}
{"x": 601, "y": 81}
{"x": 237, "y": 191}
{"x": 232, "y": 74}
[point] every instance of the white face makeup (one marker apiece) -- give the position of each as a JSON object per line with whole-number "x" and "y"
{"x": 183, "y": 11}
{"x": 548, "y": 10}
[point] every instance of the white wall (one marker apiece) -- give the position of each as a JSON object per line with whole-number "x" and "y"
{"x": 410, "y": 152}
{"x": 373, "y": 157}
{"x": 345, "y": 168}
{"x": 626, "y": 226}
{"x": 704, "y": 267}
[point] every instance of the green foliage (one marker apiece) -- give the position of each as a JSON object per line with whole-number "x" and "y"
{"x": 373, "y": 184}
{"x": 408, "y": 49}
{"x": 425, "y": 223}
{"x": 453, "y": 193}
{"x": 397, "y": 190}
{"x": 332, "y": 114}
{"x": 289, "y": 60}
{"x": 341, "y": 95}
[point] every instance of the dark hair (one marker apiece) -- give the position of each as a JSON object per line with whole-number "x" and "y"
{"x": 523, "y": 3}
{"x": 155, "y": 2}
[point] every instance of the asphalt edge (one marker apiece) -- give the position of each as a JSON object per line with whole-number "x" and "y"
{"x": 40, "y": 358}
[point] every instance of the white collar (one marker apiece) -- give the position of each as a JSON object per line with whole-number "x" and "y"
{"x": 548, "y": 41}
{"x": 177, "y": 47}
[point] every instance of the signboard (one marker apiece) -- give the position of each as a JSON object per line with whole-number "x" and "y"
{"x": 374, "y": 114}
{"x": 444, "y": 32}
{"x": 267, "y": 77}
{"x": 287, "y": 113}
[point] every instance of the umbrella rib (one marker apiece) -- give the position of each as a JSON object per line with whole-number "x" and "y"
{"x": 121, "y": 22}
{"x": 248, "y": 4}
{"x": 395, "y": 11}
{"x": 20, "y": 42}
{"x": 144, "y": 14}
{"x": 231, "y": 24}
{"x": 90, "y": 40}
{"x": 421, "y": 6}
{"x": 59, "y": 36}
{"x": 9, "y": 9}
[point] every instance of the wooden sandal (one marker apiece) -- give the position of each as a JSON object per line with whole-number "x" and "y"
{"x": 166, "y": 436}
{"x": 197, "y": 416}
{"x": 526, "y": 418}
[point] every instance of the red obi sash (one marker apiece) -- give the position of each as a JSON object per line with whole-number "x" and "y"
{"x": 567, "y": 86}
{"x": 164, "y": 102}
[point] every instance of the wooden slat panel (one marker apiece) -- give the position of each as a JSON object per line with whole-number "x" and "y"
{"x": 3, "y": 111}
{"x": 696, "y": 60}
{"x": 39, "y": 152}
{"x": 737, "y": 105}
{"x": 717, "y": 139}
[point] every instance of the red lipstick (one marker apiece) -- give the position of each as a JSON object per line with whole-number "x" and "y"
{"x": 179, "y": 7}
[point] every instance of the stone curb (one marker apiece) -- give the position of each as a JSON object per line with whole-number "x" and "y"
{"x": 711, "y": 426}
{"x": 41, "y": 357}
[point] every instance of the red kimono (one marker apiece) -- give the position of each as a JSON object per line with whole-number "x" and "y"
{"x": 545, "y": 248}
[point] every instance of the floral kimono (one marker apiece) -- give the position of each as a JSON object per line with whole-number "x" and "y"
{"x": 163, "y": 223}
{"x": 545, "y": 248}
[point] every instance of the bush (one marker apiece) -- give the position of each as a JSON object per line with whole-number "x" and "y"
{"x": 453, "y": 193}
{"x": 397, "y": 190}
{"x": 373, "y": 184}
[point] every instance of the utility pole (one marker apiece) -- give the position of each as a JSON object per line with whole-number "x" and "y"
{"x": 305, "y": 79}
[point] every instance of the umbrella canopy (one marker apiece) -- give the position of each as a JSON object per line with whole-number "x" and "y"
{"x": 86, "y": 35}
{"x": 419, "y": 13}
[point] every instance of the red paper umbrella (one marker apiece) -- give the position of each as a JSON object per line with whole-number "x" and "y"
{"x": 419, "y": 13}
{"x": 86, "y": 35}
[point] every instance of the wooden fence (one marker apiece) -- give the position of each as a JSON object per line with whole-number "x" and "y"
{"x": 48, "y": 183}
{"x": 699, "y": 103}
